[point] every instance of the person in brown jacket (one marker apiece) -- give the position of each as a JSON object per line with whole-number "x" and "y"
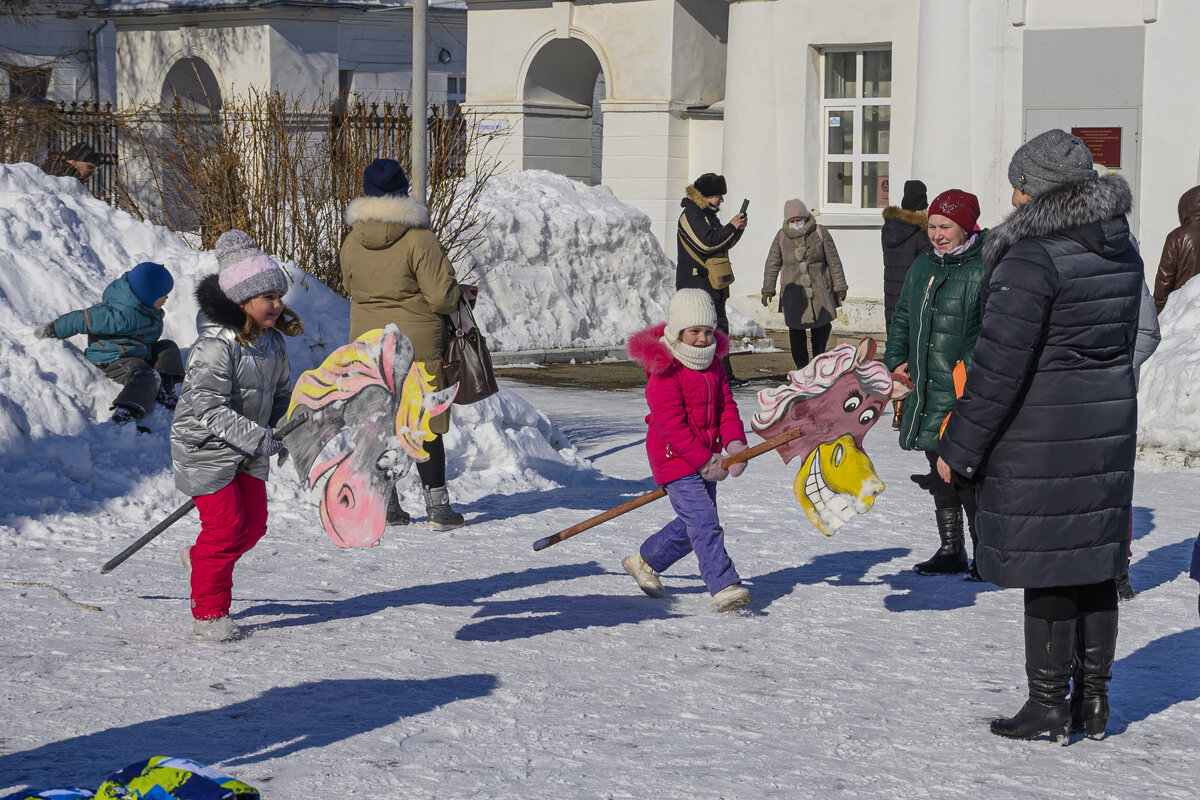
{"x": 1181, "y": 252}
{"x": 395, "y": 271}
{"x": 804, "y": 261}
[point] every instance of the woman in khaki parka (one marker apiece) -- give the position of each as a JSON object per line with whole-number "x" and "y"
{"x": 395, "y": 271}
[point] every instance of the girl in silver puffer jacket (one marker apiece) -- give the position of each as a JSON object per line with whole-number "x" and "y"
{"x": 237, "y": 386}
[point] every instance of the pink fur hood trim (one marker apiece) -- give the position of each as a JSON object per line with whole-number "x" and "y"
{"x": 646, "y": 348}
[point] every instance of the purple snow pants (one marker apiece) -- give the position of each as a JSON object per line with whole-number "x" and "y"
{"x": 695, "y": 528}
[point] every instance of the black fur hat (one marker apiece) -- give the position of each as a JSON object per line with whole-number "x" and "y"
{"x": 711, "y": 184}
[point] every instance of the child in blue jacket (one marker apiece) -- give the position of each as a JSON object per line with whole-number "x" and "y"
{"x": 124, "y": 331}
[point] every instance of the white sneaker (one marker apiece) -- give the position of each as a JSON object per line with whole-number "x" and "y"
{"x": 646, "y": 578}
{"x": 221, "y": 629}
{"x": 185, "y": 555}
{"x": 732, "y": 596}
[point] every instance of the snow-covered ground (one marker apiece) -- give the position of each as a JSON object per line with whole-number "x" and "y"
{"x": 465, "y": 665}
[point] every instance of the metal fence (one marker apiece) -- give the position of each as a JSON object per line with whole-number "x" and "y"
{"x": 40, "y": 132}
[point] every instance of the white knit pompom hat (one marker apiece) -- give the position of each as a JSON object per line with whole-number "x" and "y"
{"x": 690, "y": 308}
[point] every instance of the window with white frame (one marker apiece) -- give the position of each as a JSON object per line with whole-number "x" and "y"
{"x": 856, "y": 115}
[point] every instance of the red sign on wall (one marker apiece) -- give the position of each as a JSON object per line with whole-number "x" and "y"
{"x": 1104, "y": 144}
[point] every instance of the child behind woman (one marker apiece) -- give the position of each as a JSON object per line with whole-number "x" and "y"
{"x": 237, "y": 386}
{"x": 692, "y": 415}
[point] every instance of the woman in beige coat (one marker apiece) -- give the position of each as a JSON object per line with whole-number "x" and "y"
{"x": 804, "y": 261}
{"x": 395, "y": 271}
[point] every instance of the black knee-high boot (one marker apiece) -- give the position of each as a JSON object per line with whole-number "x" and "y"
{"x": 1095, "y": 649}
{"x": 951, "y": 557}
{"x": 1049, "y": 655}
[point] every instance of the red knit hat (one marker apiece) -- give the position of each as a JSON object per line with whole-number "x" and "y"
{"x": 957, "y": 205}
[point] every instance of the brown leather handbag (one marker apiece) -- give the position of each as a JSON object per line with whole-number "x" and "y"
{"x": 466, "y": 360}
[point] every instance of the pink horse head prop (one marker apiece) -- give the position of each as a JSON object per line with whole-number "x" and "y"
{"x": 369, "y": 406}
{"x": 835, "y": 400}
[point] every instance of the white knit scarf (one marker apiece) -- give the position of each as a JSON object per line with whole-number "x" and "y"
{"x": 697, "y": 358}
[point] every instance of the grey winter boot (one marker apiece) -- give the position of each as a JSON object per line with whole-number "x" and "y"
{"x": 1049, "y": 656}
{"x": 441, "y": 516}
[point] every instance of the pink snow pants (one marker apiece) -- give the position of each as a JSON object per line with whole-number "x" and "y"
{"x": 232, "y": 521}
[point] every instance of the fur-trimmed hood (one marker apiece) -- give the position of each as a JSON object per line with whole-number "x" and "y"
{"x": 918, "y": 219}
{"x": 646, "y": 347}
{"x": 1100, "y": 203}
{"x": 380, "y": 222}
{"x": 693, "y": 197}
{"x": 215, "y": 308}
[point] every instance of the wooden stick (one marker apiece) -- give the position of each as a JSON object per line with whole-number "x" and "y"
{"x": 649, "y": 497}
{"x": 186, "y": 508}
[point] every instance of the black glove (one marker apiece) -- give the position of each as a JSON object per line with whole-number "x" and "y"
{"x": 926, "y": 480}
{"x": 929, "y": 480}
{"x": 45, "y": 331}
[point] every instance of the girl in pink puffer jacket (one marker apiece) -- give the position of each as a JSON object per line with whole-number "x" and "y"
{"x": 692, "y": 417}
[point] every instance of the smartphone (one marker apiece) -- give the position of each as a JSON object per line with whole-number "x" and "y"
{"x": 745, "y": 205}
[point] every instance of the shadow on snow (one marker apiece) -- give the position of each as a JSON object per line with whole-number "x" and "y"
{"x": 503, "y": 620}
{"x": 1154, "y": 678}
{"x": 277, "y": 723}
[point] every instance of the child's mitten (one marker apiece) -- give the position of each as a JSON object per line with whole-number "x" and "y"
{"x": 269, "y": 445}
{"x": 45, "y": 331}
{"x": 733, "y": 449}
{"x": 712, "y": 470}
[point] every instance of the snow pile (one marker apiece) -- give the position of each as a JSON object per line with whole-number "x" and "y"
{"x": 59, "y": 248}
{"x": 1168, "y": 404}
{"x": 569, "y": 265}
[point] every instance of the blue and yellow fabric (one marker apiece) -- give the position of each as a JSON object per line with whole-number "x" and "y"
{"x": 165, "y": 778}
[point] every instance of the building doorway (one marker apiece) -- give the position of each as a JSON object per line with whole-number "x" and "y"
{"x": 563, "y": 129}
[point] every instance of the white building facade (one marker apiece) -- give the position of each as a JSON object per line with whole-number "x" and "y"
{"x": 836, "y": 101}
{"x": 144, "y": 49}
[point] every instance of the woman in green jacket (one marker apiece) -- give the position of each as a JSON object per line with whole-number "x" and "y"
{"x": 933, "y": 328}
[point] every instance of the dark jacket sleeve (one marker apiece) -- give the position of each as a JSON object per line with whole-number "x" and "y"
{"x": 97, "y": 320}
{"x": 1148, "y": 334}
{"x": 705, "y": 240}
{"x": 1167, "y": 278}
{"x": 1020, "y": 293}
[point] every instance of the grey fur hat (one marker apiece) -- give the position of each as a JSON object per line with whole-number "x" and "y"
{"x": 234, "y": 246}
{"x": 1050, "y": 159}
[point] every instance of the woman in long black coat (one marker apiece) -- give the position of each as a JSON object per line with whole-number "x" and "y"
{"x": 1047, "y": 424}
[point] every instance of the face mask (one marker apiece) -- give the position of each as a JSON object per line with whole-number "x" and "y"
{"x": 796, "y": 225}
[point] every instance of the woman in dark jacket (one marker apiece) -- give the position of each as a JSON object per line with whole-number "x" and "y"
{"x": 934, "y": 328}
{"x": 903, "y": 237}
{"x": 1047, "y": 424}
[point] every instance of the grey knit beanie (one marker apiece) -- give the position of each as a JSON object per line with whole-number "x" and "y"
{"x": 1050, "y": 159}
{"x": 233, "y": 246}
{"x": 251, "y": 277}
